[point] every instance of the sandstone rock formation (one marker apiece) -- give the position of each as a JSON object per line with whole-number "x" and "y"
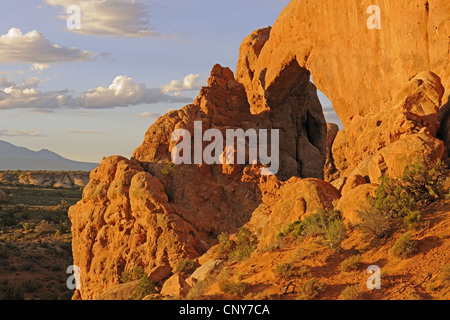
{"x": 387, "y": 86}
{"x": 175, "y": 287}
{"x": 354, "y": 201}
{"x": 360, "y": 70}
{"x": 295, "y": 199}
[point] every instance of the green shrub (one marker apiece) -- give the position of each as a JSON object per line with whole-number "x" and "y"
{"x": 405, "y": 246}
{"x": 421, "y": 183}
{"x": 374, "y": 224}
{"x": 169, "y": 169}
{"x": 413, "y": 219}
{"x": 328, "y": 224}
{"x": 284, "y": 270}
{"x": 424, "y": 180}
{"x": 225, "y": 245}
{"x": 335, "y": 234}
{"x": 199, "y": 288}
{"x": 63, "y": 206}
{"x": 144, "y": 288}
{"x": 240, "y": 249}
{"x": 350, "y": 293}
{"x": 392, "y": 200}
{"x": 235, "y": 289}
{"x": 351, "y": 264}
{"x": 45, "y": 227}
{"x": 27, "y": 226}
{"x": 135, "y": 274}
{"x": 187, "y": 266}
{"x": 311, "y": 288}
{"x": 444, "y": 277}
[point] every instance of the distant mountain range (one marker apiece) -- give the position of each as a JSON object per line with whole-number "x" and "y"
{"x": 20, "y": 158}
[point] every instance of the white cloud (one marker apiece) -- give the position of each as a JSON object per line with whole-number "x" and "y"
{"x": 190, "y": 82}
{"x": 35, "y": 49}
{"x": 123, "y": 92}
{"x": 19, "y": 133}
{"x": 39, "y": 67}
{"x": 128, "y": 18}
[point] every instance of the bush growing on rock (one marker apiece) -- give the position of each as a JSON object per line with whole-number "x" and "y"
{"x": 350, "y": 293}
{"x": 187, "y": 267}
{"x": 233, "y": 288}
{"x": 284, "y": 270}
{"x": 328, "y": 224}
{"x": 424, "y": 180}
{"x": 311, "y": 288}
{"x": 239, "y": 249}
{"x": 421, "y": 183}
{"x": 169, "y": 169}
{"x": 136, "y": 273}
{"x": 144, "y": 288}
{"x": 398, "y": 200}
{"x": 405, "y": 246}
{"x": 444, "y": 277}
{"x": 351, "y": 264}
{"x": 374, "y": 224}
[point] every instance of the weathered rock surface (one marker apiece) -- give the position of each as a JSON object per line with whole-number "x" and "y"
{"x": 207, "y": 269}
{"x": 360, "y": 70}
{"x": 294, "y": 200}
{"x": 352, "y": 182}
{"x": 392, "y": 160}
{"x": 124, "y": 220}
{"x": 444, "y": 129}
{"x": 355, "y": 200}
{"x": 175, "y": 286}
{"x": 415, "y": 108}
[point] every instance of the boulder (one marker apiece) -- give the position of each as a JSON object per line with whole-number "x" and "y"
{"x": 352, "y": 182}
{"x": 296, "y": 199}
{"x": 206, "y": 270}
{"x": 160, "y": 273}
{"x": 356, "y": 199}
{"x": 392, "y": 160}
{"x": 175, "y": 286}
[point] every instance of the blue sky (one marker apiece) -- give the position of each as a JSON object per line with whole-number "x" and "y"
{"x": 94, "y": 92}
